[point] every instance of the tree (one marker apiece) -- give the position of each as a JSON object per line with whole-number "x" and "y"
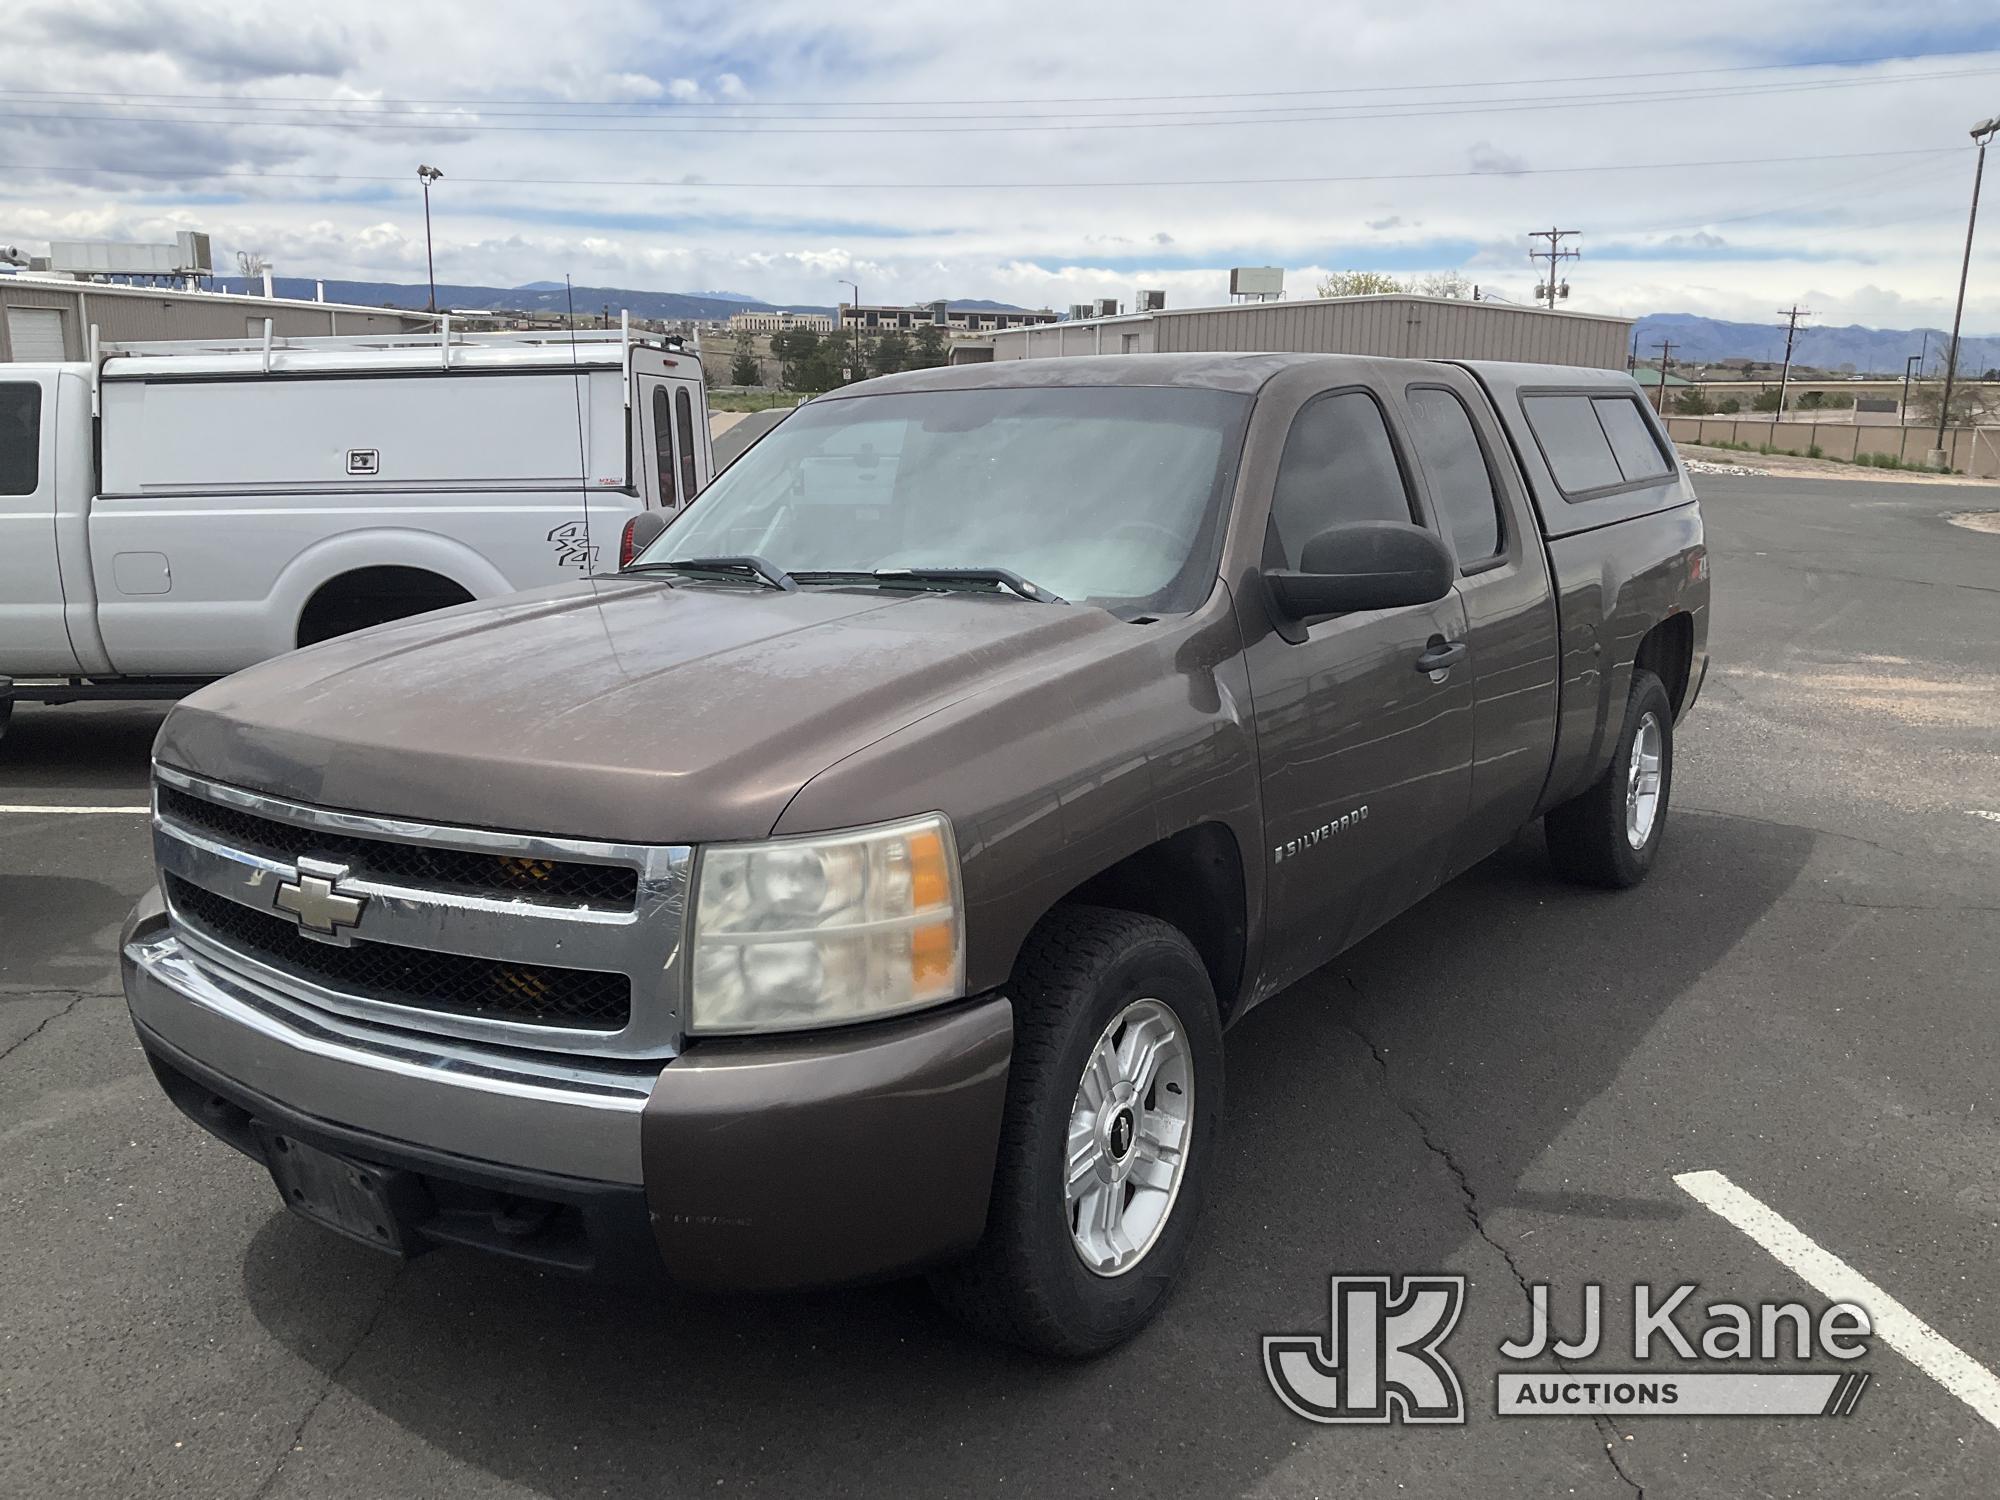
{"x": 1764, "y": 401}
{"x": 930, "y": 350}
{"x": 743, "y": 368}
{"x": 1359, "y": 284}
{"x": 1693, "y": 402}
{"x": 1729, "y": 406}
{"x": 1968, "y": 403}
{"x": 1812, "y": 400}
{"x": 891, "y": 353}
{"x": 798, "y": 354}
{"x": 1442, "y": 284}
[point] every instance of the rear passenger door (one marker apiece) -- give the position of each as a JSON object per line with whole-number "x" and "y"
{"x": 1364, "y": 758}
{"x": 1478, "y": 494}
{"x": 34, "y": 641}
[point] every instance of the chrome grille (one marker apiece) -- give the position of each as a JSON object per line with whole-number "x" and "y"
{"x": 514, "y": 939}
{"x": 533, "y": 994}
{"x": 558, "y": 882}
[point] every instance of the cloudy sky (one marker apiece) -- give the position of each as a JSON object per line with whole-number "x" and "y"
{"x": 1722, "y": 160}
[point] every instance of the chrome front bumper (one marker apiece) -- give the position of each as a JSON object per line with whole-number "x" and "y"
{"x": 572, "y": 1118}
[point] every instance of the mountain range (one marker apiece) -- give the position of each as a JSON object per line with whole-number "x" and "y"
{"x": 1866, "y": 351}
{"x": 1696, "y": 340}
{"x": 541, "y": 296}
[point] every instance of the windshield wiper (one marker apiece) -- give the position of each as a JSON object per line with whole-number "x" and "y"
{"x": 965, "y": 577}
{"x": 762, "y": 569}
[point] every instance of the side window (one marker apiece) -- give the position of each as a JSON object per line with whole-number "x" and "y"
{"x": 684, "y": 415}
{"x": 1573, "y": 441}
{"x": 1632, "y": 441}
{"x": 663, "y": 447}
{"x": 20, "y": 439}
{"x": 1461, "y": 484}
{"x": 1338, "y": 465}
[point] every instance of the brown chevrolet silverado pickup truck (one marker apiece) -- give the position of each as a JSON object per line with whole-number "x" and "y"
{"x": 861, "y": 880}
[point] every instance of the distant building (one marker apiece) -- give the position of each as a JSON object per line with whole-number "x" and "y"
{"x": 1397, "y": 325}
{"x": 49, "y": 317}
{"x": 780, "y": 322}
{"x": 953, "y": 320}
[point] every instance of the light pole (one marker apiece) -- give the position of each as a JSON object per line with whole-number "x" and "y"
{"x": 427, "y": 176}
{"x": 856, "y": 304}
{"x": 1982, "y": 133}
{"x": 1915, "y": 361}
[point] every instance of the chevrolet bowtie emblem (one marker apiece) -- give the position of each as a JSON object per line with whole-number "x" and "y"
{"x": 316, "y": 902}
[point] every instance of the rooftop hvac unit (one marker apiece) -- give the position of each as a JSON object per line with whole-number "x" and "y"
{"x": 1152, "y": 302}
{"x": 1257, "y": 281}
{"x": 1078, "y": 311}
{"x": 192, "y": 254}
{"x": 1107, "y": 307}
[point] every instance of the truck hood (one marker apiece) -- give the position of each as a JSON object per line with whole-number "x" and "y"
{"x": 632, "y": 710}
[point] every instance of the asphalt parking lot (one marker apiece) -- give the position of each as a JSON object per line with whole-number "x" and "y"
{"x": 1503, "y": 1085}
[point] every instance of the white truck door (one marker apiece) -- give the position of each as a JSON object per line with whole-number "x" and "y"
{"x": 34, "y": 642}
{"x": 674, "y": 435}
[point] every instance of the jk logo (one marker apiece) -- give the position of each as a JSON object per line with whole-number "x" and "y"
{"x": 1382, "y": 1363}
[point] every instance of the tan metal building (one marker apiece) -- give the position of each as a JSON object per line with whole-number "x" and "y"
{"x": 1396, "y": 325}
{"x": 49, "y": 317}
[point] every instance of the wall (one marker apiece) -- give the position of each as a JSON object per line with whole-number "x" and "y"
{"x": 1974, "y": 450}
{"x": 1410, "y": 327}
{"x": 130, "y": 315}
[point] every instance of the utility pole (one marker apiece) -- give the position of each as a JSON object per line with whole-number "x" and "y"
{"x": 1791, "y": 315}
{"x": 1914, "y": 362}
{"x": 1666, "y": 348}
{"x": 1553, "y": 255}
{"x": 1982, "y": 133}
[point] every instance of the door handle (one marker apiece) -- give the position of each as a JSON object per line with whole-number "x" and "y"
{"x": 1441, "y": 655}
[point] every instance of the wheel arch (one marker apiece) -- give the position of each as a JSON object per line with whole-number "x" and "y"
{"x": 1667, "y": 651}
{"x": 327, "y": 561}
{"x": 1193, "y": 880}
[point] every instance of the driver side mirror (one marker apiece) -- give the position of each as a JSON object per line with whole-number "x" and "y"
{"x": 1364, "y": 565}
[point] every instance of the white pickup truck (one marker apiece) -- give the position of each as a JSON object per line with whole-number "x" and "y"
{"x": 173, "y": 512}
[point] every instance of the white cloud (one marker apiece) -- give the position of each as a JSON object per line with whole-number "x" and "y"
{"x": 1873, "y": 239}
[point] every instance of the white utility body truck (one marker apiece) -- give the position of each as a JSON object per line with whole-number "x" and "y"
{"x": 172, "y": 512}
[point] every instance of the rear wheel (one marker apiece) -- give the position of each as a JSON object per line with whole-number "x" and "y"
{"x": 1610, "y": 834}
{"x": 1114, "y": 1101}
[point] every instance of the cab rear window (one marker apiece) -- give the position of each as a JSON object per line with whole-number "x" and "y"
{"x": 1595, "y": 442}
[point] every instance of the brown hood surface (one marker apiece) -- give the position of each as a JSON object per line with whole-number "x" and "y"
{"x": 630, "y": 709}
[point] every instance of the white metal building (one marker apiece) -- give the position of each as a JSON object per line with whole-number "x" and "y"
{"x": 1397, "y": 325}
{"x": 48, "y": 318}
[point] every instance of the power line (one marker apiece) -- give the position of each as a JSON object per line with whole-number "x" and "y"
{"x": 1260, "y": 93}
{"x": 58, "y": 168}
{"x": 384, "y": 109}
{"x": 406, "y": 120}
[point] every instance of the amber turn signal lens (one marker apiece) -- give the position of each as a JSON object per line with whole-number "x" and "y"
{"x": 932, "y": 953}
{"x": 930, "y": 876}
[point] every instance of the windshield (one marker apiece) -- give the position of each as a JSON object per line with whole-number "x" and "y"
{"x": 1106, "y": 495}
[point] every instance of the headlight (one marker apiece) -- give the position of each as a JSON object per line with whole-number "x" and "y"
{"x": 820, "y": 931}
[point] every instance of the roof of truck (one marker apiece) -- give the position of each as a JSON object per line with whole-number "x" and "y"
{"x": 390, "y": 354}
{"x": 1244, "y": 372}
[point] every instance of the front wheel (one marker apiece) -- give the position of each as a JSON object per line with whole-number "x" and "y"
{"x": 1610, "y": 834}
{"x": 1114, "y": 1099}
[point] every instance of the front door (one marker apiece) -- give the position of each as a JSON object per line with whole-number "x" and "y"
{"x": 1365, "y": 757}
{"x": 33, "y": 639}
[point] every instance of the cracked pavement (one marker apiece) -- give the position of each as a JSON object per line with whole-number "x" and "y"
{"x": 1500, "y": 1085}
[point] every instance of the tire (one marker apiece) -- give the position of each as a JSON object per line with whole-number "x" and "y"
{"x": 1084, "y": 971}
{"x": 1594, "y": 838}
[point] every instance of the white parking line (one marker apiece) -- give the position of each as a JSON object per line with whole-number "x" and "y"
{"x": 34, "y": 808}
{"x": 1899, "y": 1328}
